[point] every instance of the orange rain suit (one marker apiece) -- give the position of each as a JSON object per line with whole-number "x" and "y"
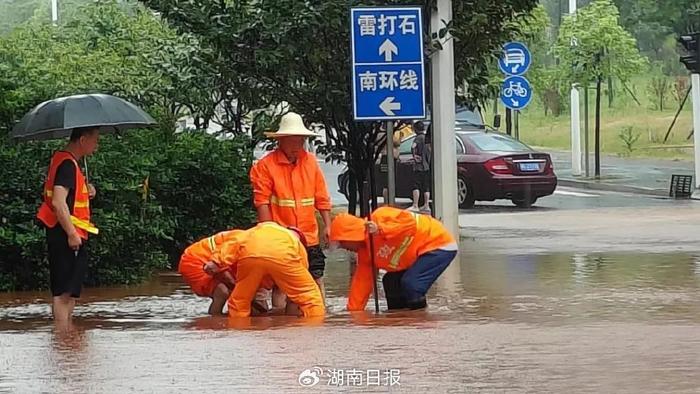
{"x": 269, "y": 250}
{"x": 294, "y": 191}
{"x": 402, "y": 237}
{"x": 194, "y": 258}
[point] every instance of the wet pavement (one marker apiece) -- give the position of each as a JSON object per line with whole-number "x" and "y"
{"x": 497, "y": 322}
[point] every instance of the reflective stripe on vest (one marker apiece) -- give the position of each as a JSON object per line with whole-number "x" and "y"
{"x": 291, "y": 203}
{"x": 394, "y": 262}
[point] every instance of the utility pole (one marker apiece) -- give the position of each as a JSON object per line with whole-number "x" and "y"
{"x": 575, "y": 116}
{"x": 443, "y": 123}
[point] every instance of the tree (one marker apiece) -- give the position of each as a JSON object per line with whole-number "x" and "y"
{"x": 296, "y": 51}
{"x": 110, "y": 48}
{"x": 592, "y": 46}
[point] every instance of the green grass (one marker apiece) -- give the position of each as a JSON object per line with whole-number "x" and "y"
{"x": 539, "y": 130}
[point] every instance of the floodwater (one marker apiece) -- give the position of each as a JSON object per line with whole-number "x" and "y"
{"x": 496, "y": 323}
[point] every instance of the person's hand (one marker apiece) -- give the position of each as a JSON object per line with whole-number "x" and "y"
{"x": 91, "y": 190}
{"x": 372, "y": 227}
{"x": 210, "y": 268}
{"x": 74, "y": 241}
{"x": 326, "y": 235}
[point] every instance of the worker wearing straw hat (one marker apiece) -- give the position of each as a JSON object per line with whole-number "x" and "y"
{"x": 289, "y": 187}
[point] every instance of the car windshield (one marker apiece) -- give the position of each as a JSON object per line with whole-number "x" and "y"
{"x": 466, "y": 116}
{"x": 490, "y": 142}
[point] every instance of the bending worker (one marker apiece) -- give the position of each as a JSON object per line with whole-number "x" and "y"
{"x": 414, "y": 249}
{"x": 218, "y": 286}
{"x": 268, "y": 251}
{"x": 289, "y": 187}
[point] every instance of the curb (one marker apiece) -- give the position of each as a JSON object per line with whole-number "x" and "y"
{"x": 591, "y": 185}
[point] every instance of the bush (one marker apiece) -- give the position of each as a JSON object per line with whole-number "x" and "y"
{"x": 157, "y": 192}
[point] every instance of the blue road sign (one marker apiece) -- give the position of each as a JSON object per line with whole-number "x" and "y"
{"x": 515, "y": 60}
{"x": 516, "y": 92}
{"x": 388, "y": 72}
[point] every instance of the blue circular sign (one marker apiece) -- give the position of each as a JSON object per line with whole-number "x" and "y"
{"x": 516, "y": 92}
{"x": 515, "y": 59}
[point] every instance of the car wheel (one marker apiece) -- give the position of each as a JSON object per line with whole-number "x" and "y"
{"x": 465, "y": 194}
{"x": 525, "y": 202}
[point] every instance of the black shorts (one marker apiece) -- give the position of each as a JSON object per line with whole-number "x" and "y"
{"x": 67, "y": 270}
{"x": 421, "y": 181}
{"x": 317, "y": 261}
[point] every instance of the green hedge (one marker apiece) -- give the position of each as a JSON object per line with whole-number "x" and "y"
{"x": 157, "y": 192}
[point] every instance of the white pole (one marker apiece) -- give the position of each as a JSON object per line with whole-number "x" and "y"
{"x": 443, "y": 124}
{"x": 575, "y": 118}
{"x": 54, "y": 12}
{"x": 696, "y": 131}
{"x": 391, "y": 176}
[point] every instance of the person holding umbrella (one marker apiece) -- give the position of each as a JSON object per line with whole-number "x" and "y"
{"x": 65, "y": 212}
{"x": 66, "y": 195}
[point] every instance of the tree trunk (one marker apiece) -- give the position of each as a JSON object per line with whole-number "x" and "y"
{"x": 352, "y": 194}
{"x": 597, "y": 126}
{"x": 611, "y": 92}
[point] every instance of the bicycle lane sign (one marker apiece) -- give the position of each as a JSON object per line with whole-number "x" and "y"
{"x": 516, "y": 92}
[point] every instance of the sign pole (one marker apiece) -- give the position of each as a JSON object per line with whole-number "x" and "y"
{"x": 517, "y": 124}
{"x": 391, "y": 168}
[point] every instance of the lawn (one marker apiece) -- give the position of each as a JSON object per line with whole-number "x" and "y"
{"x": 649, "y": 124}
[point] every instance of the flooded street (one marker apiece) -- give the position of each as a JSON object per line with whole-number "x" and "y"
{"x": 495, "y": 323}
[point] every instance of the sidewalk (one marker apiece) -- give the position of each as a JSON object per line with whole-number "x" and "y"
{"x": 645, "y": 176}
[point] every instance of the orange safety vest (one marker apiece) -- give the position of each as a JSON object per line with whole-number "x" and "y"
{"x": 294, "y": 191}
{"x": 81, "y": 206}
{"x": 403, "y": 237}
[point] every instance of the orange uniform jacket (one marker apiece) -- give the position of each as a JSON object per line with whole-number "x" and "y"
{"x": 196, "y": 255}
{"x": 269, "y": 250}
{"x": 403, "y": 236}
{"x": 294, "y": 191}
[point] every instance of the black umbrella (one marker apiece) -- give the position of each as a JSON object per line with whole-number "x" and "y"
{"x": 57, "y": 118}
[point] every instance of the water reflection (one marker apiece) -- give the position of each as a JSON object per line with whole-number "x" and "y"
{"x": 505, "y": 322}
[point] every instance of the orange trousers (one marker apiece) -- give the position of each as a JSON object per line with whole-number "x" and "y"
{"x": 292, "y": 277}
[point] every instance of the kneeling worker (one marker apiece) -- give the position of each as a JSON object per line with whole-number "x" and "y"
{"x": 414, "y": 249}
{"x": 216, "y": 286}
{"x": 268, "y": 250}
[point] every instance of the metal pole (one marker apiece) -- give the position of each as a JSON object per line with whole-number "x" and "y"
{"x": 516, "y": 124}
{"x": 391, "y": 168}
{"x": 575, "y": 118}
{"x": 443, "y": 122}
{"x": 696, "y": 127}
{"x": 585, "y": 130}
{"x": 54, "y": 12}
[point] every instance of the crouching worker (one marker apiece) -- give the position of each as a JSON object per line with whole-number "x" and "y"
{"x": 215, "y": 285}
{"x": 268, "y": 250}
{"x": 414, "y": 249}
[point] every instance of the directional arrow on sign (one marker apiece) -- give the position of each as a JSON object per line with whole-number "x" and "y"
{"x": 388, "y": 49}
{"x": 515, "y": 102}
{"x": 388, "y": 106}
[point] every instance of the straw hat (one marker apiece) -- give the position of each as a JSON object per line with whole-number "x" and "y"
{"x": 291, "y": 125}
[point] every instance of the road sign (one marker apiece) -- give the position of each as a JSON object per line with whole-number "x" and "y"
{"x": 387, "y": 63}
{"x": 515, "y": 60}
{"x": 516, "y": 92}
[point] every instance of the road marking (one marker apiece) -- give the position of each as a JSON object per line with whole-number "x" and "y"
{"x": 575, "y": 194}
